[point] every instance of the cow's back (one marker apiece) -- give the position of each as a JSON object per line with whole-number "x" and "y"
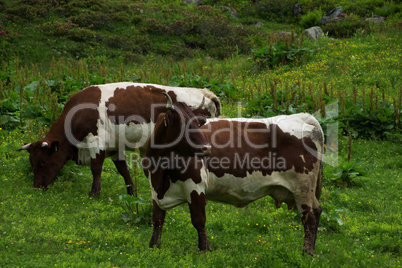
{"x": 252, "y": 158}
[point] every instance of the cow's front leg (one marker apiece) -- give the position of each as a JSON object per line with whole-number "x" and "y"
{"x": 198, "y": 219}
{"x": 158, "y": 218}
{"x": 96, "y": 169}
{"x": 122, "y": 167}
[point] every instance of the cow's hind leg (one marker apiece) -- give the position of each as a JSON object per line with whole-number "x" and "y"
{"x": 198, "y": 219}
{"x": 158, "y": 218}
{"x": 96, "y": 169}
{"x": 310, "y": 213}
{"x": 122, "y": 167}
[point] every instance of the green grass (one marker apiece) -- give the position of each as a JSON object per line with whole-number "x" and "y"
{"x": 63, "y": 226}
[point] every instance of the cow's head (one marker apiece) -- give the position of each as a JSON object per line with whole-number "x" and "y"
{"x": 46, "y": 161}
{"x": 178, "y": 130}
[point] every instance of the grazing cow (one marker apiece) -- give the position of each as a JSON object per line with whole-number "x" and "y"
{"x": 104, "y": 120}
{"x": 245, "y": 159}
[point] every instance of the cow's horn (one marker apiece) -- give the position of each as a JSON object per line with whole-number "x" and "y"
{"x": 45, "y": 144}
{"x": 200, "y": 106}
{"x": 169, "y": 104}
{"x": 25, "y": 147}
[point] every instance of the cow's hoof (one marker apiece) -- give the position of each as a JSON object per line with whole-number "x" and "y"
{"x": 130, "y": 190}
{"x": 157, "y": 244}
{"x": 309, "y": 252}
{"x": 94, "y": 194}
{"x": 205, "y": 248}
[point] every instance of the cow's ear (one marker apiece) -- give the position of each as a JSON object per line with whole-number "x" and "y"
{"x": 55, "y": 146}
{"x": 201, "y": 120}
{"x": 169, "y": 117}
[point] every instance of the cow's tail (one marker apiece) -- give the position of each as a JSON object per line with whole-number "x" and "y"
{"x": 318, "y": 186}
{"x": 217, "y": 103}
{"x": 317, "y": 135}
{"x": 320, "y": 155}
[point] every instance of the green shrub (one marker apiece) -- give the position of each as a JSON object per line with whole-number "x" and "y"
{"x": 278, "y": 53}
{"x": 345, "y": 28}
{"x": 277, "y": 10}
{"x": 388, "y": 9}
{"x": 68, "y": 30}
{"x": 362, "y": 8}
{"x": 207, "y": 30}
{"x": 95, "y": 19}
{"x": 311, "y": 19}
{"x": 32, "y": 9}
{"x": 77, "y": 6}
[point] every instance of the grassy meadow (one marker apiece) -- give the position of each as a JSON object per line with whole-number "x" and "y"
{"x": 351, "y": 83}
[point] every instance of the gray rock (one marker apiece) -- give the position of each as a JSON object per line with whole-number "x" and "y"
{"x": 259, "y": 24}
{"x": 332, "y": 15}
{"x": 376, "y": 19}
{"x": 284, "y": 36}
{"x": 314, "y": 32}
{"x": 232, "y": 11}
{"x": 297, "y": 10}
{"x": 190, "y": 2}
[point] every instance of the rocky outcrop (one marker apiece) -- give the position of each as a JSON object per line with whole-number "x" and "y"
{"x": 314, "y": 32}
{"x": 332, "y": 15}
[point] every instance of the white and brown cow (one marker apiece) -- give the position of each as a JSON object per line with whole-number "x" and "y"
{"x": 105, "y": 120}
{"x": 247, "y": 159}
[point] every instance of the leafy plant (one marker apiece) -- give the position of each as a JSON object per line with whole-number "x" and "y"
{"x": 225, "y": 90}
{"x": 278, "y": 53}
{"x": 374, "y": 122}
{"x": 130, "y": 205}
{"x": 344, "y": 175}
{"x": 331, "y": 216}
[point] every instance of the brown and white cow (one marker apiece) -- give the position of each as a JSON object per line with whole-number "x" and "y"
{"x": 248, "y": 159}
{"x": 105, "y": 120}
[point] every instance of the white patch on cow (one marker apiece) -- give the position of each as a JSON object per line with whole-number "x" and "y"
{"x": 87, "y": 149}
{"x": 191, "y": 96}
{"x": 296, "y": 124}
{"x": 242, "y": 191}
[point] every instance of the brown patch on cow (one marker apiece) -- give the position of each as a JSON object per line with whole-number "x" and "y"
{"x": 168, "y": 165}
{"x": 132, "y": 104}
{"x": 238, "y": 142}
{"x": 84, "y": 120}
